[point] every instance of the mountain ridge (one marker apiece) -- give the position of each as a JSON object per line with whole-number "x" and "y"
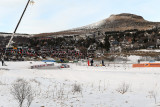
{"x": 116, "y": 22}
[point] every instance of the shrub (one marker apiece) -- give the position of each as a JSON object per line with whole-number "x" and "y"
{"x": 123, "y": 88}
{"x": 22, "y": 90}
{"x": 77, "y": 88}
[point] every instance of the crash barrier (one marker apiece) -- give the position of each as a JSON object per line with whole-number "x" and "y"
{"x": 41, "y": 66}
{"x": 146, "y": 65}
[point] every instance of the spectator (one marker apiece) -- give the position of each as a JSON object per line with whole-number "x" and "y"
{"x": 103, "y": 63}
{"x": 2, "y": 61}
{"x": 91, "y": 62}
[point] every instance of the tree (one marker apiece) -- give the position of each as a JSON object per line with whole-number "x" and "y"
{"x": 107, "y": 44}
{"x": 22, "y": 90}
{"x": 101, "y": 45}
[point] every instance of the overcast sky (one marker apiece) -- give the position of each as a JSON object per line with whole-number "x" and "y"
{"x": 56, "y": 15}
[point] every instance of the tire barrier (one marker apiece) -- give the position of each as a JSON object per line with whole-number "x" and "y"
{"x": 41, "y": 66}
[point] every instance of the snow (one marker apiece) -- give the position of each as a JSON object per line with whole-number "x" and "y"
{"x": 99, "y": 85}
{"x": 95, "y": 25}
{"x": 149, "y": 50}
{"x": 17, "y": 34}
{"x": 133, "y": 58}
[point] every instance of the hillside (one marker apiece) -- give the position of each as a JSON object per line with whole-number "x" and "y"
{"x": 119, "y": 22}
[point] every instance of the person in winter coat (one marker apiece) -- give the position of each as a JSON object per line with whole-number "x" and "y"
{"x": 103, "y": 63}
{"x": 91, "y": 62}
{"x": 2, "y": 61}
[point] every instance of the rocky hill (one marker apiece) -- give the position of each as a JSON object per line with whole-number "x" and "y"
{"x": 119, "y": 22}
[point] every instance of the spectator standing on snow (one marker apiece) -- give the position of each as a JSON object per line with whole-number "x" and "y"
{"x": 61, "y": 60}
{"x": 2, "y": 60}
{"x": 91, "y": 62}
{"x": 103, "y": 62}
{"x": 88, "y": 62}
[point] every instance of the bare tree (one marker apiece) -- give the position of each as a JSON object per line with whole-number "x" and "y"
{"x": 21, "y": 90}
{"x": 123, "y": 88}
{"x": 30, "y": 98}
{"x": 77, "y": 88}
{"x": 153, "y": 94}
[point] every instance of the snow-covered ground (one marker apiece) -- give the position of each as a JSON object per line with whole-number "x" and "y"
{"x": 99, "y": 86}
{"x": 149, "y": 50}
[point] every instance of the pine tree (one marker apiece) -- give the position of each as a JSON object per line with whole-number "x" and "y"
{"x": 107, "y": 44}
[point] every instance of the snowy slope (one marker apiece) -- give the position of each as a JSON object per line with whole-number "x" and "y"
{"x": 94, "y": 25}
